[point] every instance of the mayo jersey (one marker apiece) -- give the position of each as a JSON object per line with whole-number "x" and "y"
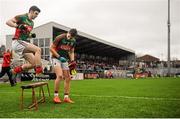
{"x": 64, "y": 45}
{"x": 21, "y": 34}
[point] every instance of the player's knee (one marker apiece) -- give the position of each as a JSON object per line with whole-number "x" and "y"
{"x": 32, "y": 65}
{"x": 38, "y": 50}
{"x": 59, "y": 77}
{"x": 67, "y": 79}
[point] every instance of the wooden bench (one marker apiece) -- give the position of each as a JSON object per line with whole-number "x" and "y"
{"x": 35, "y": 101}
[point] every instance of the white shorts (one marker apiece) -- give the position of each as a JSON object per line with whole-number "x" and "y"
{"x": 18, "y": 46}
{"x": 56, "y": 62}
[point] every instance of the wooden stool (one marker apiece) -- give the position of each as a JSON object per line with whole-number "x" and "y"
{"x": 34, "y": 99}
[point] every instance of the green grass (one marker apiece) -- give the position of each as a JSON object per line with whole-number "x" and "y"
{"x": 115, "y": 98}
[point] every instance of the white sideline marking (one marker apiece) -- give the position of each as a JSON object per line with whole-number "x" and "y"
{"x": 128, "y": 97}
{"x": 105, "y": 96}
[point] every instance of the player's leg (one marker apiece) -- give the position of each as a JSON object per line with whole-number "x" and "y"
{"x": 67, "y": 77}
{"x": 29, "y": 57}
{"x": 18, "y": 47}
{"x": 59, "y": 76}
{"x": 30, "y": 48}
{"x": 12, "y": 82}
{"x": 3, "y": 71}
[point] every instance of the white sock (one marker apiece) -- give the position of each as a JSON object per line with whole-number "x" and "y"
{"x": 56, "y": 94}
{"x": 66, "y": 96}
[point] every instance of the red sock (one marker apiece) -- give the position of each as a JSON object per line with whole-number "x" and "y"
{"x": 38, "y": 69}
{"x": 18, "y": 69}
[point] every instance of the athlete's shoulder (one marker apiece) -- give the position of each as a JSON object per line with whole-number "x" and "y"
{"x": 61, "y": 36}
{"x": 58, "y": 39}
{"x": 21, "y": 16}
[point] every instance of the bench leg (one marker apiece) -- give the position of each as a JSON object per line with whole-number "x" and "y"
{"x": 34, "y": 100}
{"x": 40, "y": 89}
{"x": 48, "y": 89}
{"x": 43, "y": 94}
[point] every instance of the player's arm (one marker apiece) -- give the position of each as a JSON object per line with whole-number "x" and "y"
{"x": 16, "y": 22}
{"x": 12, "y": 22}
{"x": 11, "y": 54}
{"x": 71, "y": 54}
{"x": 55, "y": 54}
{"x": 53, "y": 46}
{"x": 72, "y": 63}
{"x": 5, "y": 57}
{"x": 53, "y": 51}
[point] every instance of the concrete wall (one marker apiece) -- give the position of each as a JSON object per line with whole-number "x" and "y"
{"x": 44, "y": 31}
{"x": 9, "y": 41}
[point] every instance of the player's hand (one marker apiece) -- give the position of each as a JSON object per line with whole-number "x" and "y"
{"x": 62, "y": 59}
{"x": 72, "y": 65}
{"x": 32, "y": 35}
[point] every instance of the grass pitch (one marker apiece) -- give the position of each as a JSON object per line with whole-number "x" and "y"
{"x": 100, "y": 98}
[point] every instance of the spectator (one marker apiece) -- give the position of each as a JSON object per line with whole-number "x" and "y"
{"x": 6, "y": 66}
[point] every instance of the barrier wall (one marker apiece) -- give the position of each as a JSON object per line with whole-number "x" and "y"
{"x": 78, "y": 76}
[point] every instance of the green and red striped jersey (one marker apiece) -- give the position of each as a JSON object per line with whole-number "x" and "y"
{"x": 23, "y": 34}
{"x": 64, "y": 45}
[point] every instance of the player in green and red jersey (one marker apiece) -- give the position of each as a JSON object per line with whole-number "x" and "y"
{"x": 62, "y": 51}
{"x": 20, "y": 44}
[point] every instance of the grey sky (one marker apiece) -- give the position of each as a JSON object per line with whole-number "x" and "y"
{"x": 140, "y": 25}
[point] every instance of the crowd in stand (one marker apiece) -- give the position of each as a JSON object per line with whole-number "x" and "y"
{"x": 113, "y": 69}
{"x": 91, "y": 66}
